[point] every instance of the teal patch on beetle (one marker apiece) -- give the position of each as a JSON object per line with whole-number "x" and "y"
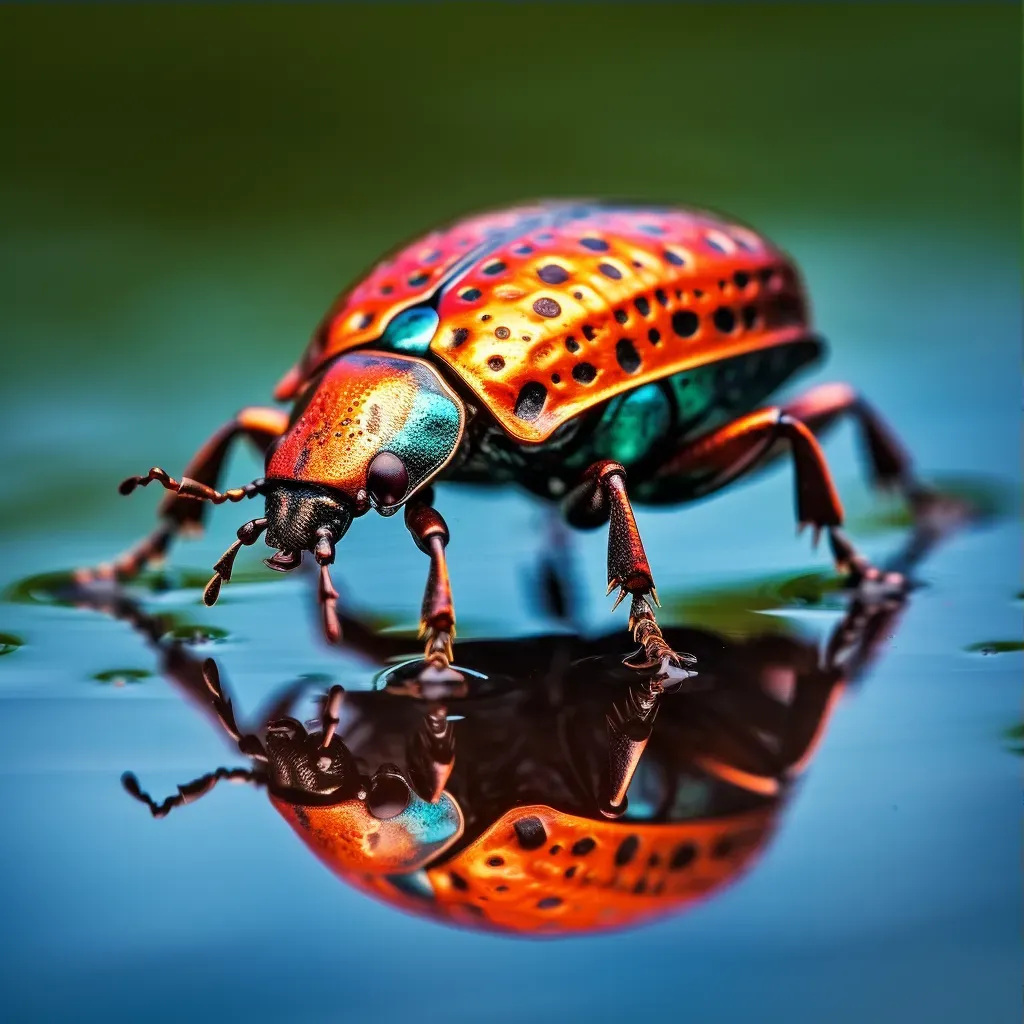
{"x": 411, "y": 332}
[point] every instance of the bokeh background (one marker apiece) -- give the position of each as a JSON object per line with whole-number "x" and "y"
{"x": 184, "y": 189}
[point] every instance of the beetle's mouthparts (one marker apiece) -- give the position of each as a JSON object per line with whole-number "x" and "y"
{"x": 283, "y": 561}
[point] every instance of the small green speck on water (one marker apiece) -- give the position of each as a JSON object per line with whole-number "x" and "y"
{"x": 10, "y": 643}
{"x": 195, "y": 633}
{"x": 995, "y": 646}
{"x": 122, "y": 676}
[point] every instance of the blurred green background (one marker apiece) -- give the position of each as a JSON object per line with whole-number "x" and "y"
{"x": 258, "y": 157}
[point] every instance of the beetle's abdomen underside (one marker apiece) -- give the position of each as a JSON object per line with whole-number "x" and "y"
{"x": 565, "y": 305}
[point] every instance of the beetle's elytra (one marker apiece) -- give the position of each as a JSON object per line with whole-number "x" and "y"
{"x": 568, "y": 347}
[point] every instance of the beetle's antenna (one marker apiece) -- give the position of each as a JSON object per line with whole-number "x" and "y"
{"x": 247, "y": 534}
{"x": 190, "y": 791}
{"x": 327, "y": 595}
{"x": 186, "y": 487}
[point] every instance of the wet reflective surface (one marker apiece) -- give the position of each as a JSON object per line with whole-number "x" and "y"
{"x": 855, "y": 858}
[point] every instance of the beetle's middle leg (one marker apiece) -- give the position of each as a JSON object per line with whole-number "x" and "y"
{"x": 437, "y": 618}
{"x": 602, "y": 497}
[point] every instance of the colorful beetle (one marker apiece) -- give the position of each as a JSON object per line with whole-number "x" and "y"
{"x": 560, "y": 346}
{"x": 516, "y": 817}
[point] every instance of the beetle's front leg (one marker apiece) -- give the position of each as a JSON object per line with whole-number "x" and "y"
{"x": 183, "y": 510}
{"x": 602, "y": 496}
{"x": 437, "y": 619}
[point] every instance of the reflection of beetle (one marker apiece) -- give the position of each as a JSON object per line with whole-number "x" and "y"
{"x": 558, "y": 346}
{"x": 529, "y": 829}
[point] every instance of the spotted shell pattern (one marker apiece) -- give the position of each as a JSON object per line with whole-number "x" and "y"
{"x": 561, "y": 306}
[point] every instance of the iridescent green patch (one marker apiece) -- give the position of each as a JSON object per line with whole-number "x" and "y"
{"x": 410, "y": 332}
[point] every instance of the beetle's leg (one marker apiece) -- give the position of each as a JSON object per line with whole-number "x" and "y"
{"x": 889, "y": 463}
{"x": 190, "y": 791}
{"x": 183, "y": 511}
{"x": 602, "y": 496}
{"x": 437, "y": 619}
{"x": 736, "y": 448}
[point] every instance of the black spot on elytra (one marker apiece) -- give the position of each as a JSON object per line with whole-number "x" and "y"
{"x": 459, "y": 335}
{"x": 495, "y": 862}
{"x": 621, "y": 316}
{"x": 473, "y": 909}
{"x": 660, "y": 295}
{"x": 471, "y": 294}
{"x": 654, "y": 335}
{"x": 301, "y": 459}
{"x": 545, "y": 306}
{"x": 300, "y": 812}
{"x": 458, "y": 881}
{"x": 364, "y": 321}
{"x": 640, "y": 888}
{"x": 685, "y": 323}
{"x": 682, "y": 856}
{"x": 627, "y": 355}
{"x": 594, "y": 244}
{"x": 556, "y": 378}
{"x": 723, "y": 847}
{"x": 496, "y": 363}
{"x": 627, "y": 850}
{"x": 749, "y": 314}
{"x": 418, "y": 279}
{"x": 549, "y": 903}
{"x": 570, "y": 872}
{"x": 522, "y": 250}
{"x": 651, "y": 229}
{"x": 501, "y": 888}
{"x": 572, "y": 344}
{"x": 653, "y": 861}
{"x": 530, "y": 402}
{"x": 386, "y": 289}
{"x": 530, "y": 831}
{"x": 552, "y": 273}
{"x": 501, "y": 332}
{"x": 725, "y": 319}
{"x": 577, "y": 295}
{"x": 589, "y": 332}
{"x": 674, "y": 258}
{"x": 583, "y": 846}
{"x": 609, "y": 271}
{"x": 555, "y": 849}
{"x": 583, "y": 373}
{"x": 494, "y": 268}
{"x": 643, "y": 307}
{"x": 742, "y": 278}
{"x": 713, "y": 243}
{"x": 765, "y": 273}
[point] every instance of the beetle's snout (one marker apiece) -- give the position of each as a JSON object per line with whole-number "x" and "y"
{"x": 297, "y": 517}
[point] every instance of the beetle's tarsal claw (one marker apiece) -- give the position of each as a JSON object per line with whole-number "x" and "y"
{"x": 283, "y": 561}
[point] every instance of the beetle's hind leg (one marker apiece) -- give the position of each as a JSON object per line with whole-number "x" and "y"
{"x": 602, "y": 497}
{"x": 889, "y": 464}
{"x": 184, "y": 509}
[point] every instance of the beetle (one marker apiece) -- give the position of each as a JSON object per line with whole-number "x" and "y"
{"x": 564, "y": 346}
{"x": 553, "y": 792}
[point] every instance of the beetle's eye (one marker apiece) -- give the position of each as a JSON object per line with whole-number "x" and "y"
{"x": 387, "y": 479}
{"x": 388, "y": 796}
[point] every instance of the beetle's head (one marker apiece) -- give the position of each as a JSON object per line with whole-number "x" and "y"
{"x": 300, "y": 515}
{"x": 368, "y": 432}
